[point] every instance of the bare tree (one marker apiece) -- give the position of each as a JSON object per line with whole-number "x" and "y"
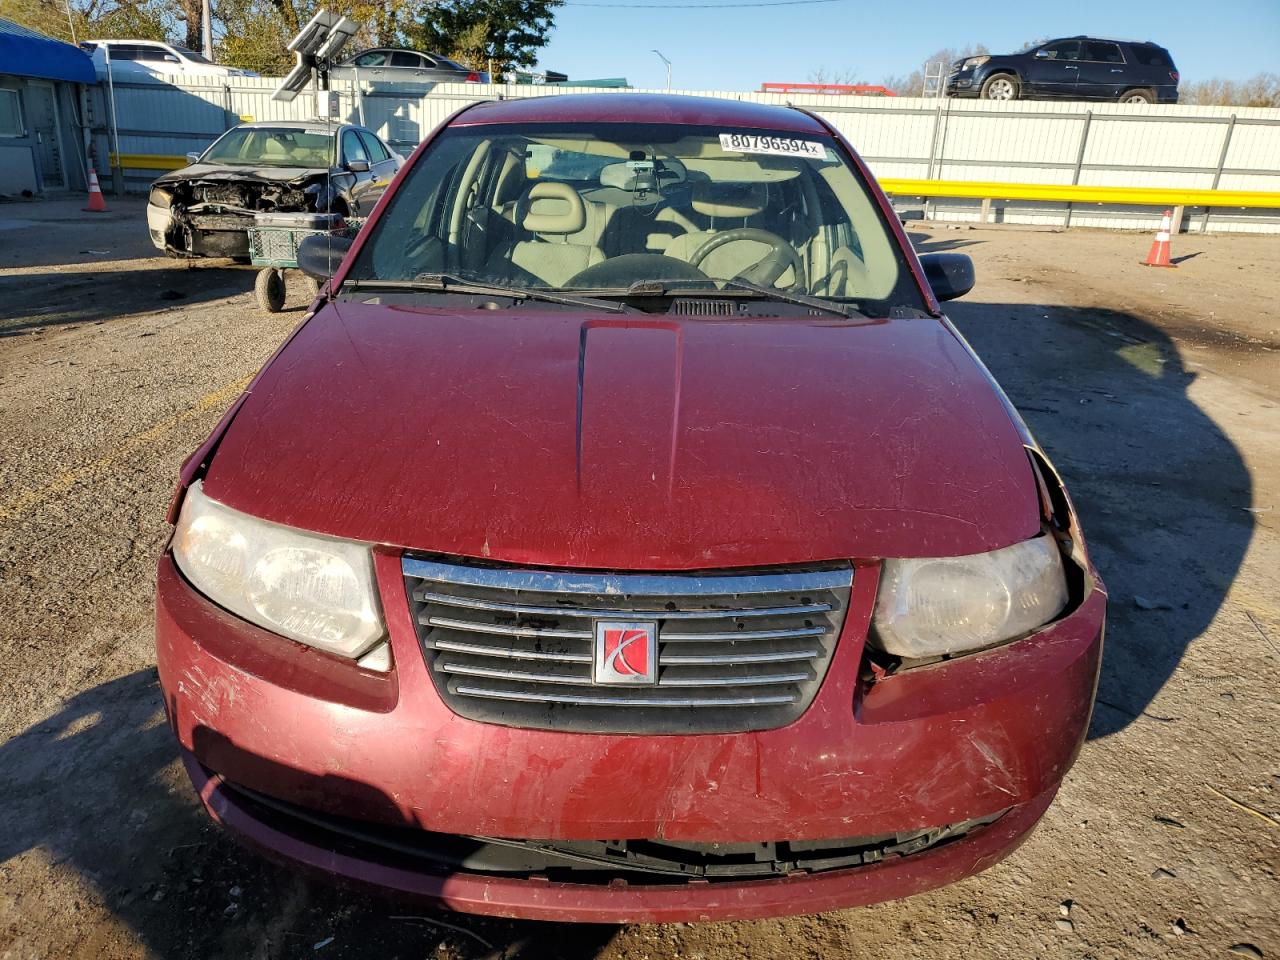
{"x": 1260, "y": 90}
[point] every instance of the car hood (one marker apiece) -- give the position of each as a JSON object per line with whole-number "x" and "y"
{"x": 558, "y": 438}
{"x": 216, "y": 172}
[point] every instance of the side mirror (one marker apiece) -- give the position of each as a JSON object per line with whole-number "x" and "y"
{"x": 319, "y": 256}
{"x": 170, "y": 58}
{"x": 950, "y": 275}
{"x": 193, "y": 156}
{"x": 358, "y": 166}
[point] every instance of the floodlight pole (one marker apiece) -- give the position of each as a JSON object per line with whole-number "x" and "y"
{"x": 206, "y": 28}
{"x": 668, "y": 63}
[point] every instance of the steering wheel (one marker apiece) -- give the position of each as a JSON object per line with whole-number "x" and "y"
{"x": 767, "y": 270}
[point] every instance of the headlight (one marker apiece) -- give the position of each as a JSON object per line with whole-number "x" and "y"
{"x": 161, "y": 198}
{"x": 935, "y": 606}
{"x": 314, "y": 589}
{"x": 972, "y": 62}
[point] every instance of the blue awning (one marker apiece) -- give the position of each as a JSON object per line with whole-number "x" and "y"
{"x": 25, "y": 53}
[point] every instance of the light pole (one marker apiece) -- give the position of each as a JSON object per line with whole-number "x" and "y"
{"x": 668, "y": 63}
{"x": 206, "y": 29}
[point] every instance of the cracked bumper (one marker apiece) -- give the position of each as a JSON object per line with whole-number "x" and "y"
{"x": 930, "y": 746}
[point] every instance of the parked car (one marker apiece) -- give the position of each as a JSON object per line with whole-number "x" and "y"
{"x": 204, "y": 209}
{"x": 629, "y": 536}
{"x": 154, "y": 57}
{"x": 394, "y": 63}
{"x": 1074, "y": 68}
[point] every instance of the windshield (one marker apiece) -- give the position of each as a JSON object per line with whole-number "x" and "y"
{"x": 193, "y": 56}
{"x": 607, "y": 208}
{"x": 273, "y": 147}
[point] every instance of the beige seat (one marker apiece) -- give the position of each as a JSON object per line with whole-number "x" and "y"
{"x": 726, "y": 202}
{"x": 847, "y": 277}
{"x": 551, "y": 212}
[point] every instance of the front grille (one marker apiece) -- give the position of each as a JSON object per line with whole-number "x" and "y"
{"x": 736, "y": 651}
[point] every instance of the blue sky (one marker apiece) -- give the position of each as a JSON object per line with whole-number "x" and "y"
{"x": 738, "y": 48}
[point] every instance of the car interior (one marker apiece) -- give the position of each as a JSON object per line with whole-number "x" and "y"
{"x": 585, "y": 213}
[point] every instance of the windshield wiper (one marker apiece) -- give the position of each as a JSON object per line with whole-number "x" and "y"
{"x": 803, "y": 299}
{"x": 660, "y": 288}
{"x": 452, "y": 283}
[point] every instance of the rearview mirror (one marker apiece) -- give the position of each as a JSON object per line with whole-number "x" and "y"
{"x": 193, "y": 156}
{"x": 358, "y": 166}
{"x": 319, "y": 255}
{"x": 950, "y": 275}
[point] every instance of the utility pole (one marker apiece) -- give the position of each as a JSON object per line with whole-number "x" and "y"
{"x": 206, "y": 21}
{"x": 668, "y": 63}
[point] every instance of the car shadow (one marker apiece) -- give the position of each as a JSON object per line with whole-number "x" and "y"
{"x": 98, "y": 788}
{"x": 38, "y": 301}
{"x": 1161, "y": 490}
{"x": 928, "y": 243}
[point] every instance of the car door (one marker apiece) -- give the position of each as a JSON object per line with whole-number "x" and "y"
{"x": 358, "y": 172}
{"x": 1103, "y": 74}
{"x": 382, "y": 164}
{"x": 1054, "y": 68}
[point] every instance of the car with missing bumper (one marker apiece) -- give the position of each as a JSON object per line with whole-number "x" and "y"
{"x": 206, "y": 208}
{"x": 628, "y": 535}
{"x": 1073, "y": 68}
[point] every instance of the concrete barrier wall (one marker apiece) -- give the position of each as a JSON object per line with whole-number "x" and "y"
{"x": 1040, "y": 142}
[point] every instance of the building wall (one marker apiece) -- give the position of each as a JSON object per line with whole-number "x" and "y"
{"x": 47, "y": 157}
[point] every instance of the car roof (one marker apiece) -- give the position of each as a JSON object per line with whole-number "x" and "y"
{"x": 150, "y": 43}
{"x": 293, "y": 125}
{"x": 1141, "y": 43}
{"x": 639, "y": 108}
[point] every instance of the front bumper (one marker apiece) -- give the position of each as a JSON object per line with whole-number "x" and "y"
{"x": 930, "y": 746}
{"x": 963, "y": 83}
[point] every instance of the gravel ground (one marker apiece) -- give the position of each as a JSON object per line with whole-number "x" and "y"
{"x": 1155, "y": 391}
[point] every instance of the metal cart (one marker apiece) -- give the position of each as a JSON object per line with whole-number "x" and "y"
{"x": 273, "y": 246}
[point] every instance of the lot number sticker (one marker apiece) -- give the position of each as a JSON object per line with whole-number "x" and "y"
{"x": 774, "y": 146}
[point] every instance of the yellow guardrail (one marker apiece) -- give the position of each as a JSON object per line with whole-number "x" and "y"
{"x": 147, "y": 161}
{"x": 1081, "y": 193}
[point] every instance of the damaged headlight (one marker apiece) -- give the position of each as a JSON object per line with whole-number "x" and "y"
{"x": 931, "y": 607}
{"x": 160, "y": 198}
{"x": 313, "y": 589}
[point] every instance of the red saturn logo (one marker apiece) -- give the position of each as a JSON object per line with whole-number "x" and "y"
{"x": 626, "y": 652}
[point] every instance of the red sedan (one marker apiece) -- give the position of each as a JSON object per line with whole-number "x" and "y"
{"x": 627, "y": 535}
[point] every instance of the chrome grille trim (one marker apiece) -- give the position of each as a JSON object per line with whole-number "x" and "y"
{"x": 732, "y": 658}
{"x": 627, "y": 700}
{"x": 733, "y": 636}
{"x": 507, "y": 631}
{"x": 627, "y": 584}
{"x": 736, "y": 651}
{"x": 472, "y": 603}
{"x": 511, "y": 653}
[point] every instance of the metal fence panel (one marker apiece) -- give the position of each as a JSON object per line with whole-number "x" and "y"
{"x": 1019, "y": 142}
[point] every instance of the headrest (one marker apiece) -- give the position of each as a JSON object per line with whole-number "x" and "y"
{"x": 559, "y": 209}
{"x": 720, "y": 199}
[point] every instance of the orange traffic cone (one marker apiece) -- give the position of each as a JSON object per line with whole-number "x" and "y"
{"x": 96, "y": 203}
{"x": 1159, "y": 255}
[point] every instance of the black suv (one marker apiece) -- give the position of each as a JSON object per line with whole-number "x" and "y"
{"x": 1075, "y": 68}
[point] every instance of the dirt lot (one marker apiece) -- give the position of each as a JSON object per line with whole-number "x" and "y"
{"x": 1157, "y": 392}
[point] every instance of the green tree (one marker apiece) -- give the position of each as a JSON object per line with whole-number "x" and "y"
{"x": 504, "y": 33}
{"x": 140, "y": 19}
